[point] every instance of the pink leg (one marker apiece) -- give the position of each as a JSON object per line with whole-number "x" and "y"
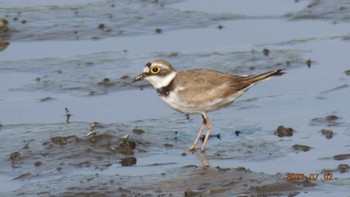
{"x": 208, "y": 132}
{"x": 194, "y": 145}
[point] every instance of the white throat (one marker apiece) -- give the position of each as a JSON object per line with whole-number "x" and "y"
{"x": 158, "y": 81}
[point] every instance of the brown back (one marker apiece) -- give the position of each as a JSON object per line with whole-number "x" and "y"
{"x": 202, "y": 85}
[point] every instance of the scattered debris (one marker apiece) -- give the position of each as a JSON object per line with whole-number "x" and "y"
{"x": 347, "y": 72}
{"x": 166, "y": 145}
{"x": 342, "y": 168}
{"x": 125, "y": 137}
{"x": 330, "y": 120}
{"x": 299, "y": 147}
{"x": 26, "y": 176}
{"x": 341, "y": 156}
{"x": 106, "y": 82}
{"x": 15, "y": 156}
{"x": 68, "y": 115}
{"x": 211, "y": 136}
{"x": 101, "y": 26}
{"x": 327, "y": 133}
{"x": 158, "y": 30}
{"x": 90, "y": 133}
{"x": 128, "y": 161}
{"x": 266, "y": 52}
{"x": 237, "y": 133}
{"x": 220, "y": 27}
{"x": 93, "y": 126}
{"x": 3, "y": 45}
{"x": 37, "y": 163}
{"x": 46, "y": 99}
{"x": 125, "y": 77}
{"x": 64, "y": 140}
{"x": 284, "y": 132}
{"x": 308, "y": 63}
{"x": 138, "y": 131}
{"x": 4, "y": 25}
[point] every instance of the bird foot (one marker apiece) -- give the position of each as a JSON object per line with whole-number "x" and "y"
{"x": 192, "y": 148}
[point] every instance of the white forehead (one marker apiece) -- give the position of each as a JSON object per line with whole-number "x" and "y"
{"x": 146, "y": 69}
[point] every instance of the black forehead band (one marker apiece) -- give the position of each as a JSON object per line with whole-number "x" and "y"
{"x": 149, "y": 64}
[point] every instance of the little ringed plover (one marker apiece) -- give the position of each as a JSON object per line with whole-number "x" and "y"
{"x": 198, "y": 91}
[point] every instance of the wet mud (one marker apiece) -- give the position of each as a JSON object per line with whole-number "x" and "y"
{"x": 103, "y": 19}
{"x": 110, "y": 146}
{"x": 337, "y": 11}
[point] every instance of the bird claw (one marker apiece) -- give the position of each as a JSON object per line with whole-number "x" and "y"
{"x": 192, "y": 148}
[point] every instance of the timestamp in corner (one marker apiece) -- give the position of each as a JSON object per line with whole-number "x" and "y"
{"x": 309, "y": 177}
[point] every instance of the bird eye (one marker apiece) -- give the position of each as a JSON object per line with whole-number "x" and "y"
{"x": 155, "y": 70}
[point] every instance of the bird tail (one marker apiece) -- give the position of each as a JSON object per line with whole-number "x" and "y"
{"x": 265, "y": 76}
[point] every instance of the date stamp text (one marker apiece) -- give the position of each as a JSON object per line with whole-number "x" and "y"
{"x": 309, "y": 177}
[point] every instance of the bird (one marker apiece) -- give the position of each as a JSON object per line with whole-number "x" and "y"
{"x": 198, "y": 91}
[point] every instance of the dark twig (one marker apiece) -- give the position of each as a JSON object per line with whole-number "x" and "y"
{"x": 68, "y": 115}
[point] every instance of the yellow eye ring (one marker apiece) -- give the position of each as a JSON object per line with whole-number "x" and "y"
{"x": 155, "y": 70}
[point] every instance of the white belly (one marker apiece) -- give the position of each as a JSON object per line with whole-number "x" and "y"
{"x": 182, "y": 106}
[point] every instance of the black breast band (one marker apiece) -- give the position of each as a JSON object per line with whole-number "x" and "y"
{"x": 165, "y": 90}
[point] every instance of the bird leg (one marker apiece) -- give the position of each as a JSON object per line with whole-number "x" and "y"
{"x": 194, "y": 145}
{"x": 204, "y": 115}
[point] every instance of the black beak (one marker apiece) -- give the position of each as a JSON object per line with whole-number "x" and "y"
{"x": 139, "y": 77}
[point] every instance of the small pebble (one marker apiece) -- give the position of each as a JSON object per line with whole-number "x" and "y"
{"x": 3, "y": 45}
{"x": 301, "y": 147}
{"x": 283, "y": 131}
{"x": 308, "y": 63}
{"x": 46, "y": 99}
{"x": 101, "y": 26}
{"x": 128, "y": 161}
{"x": 341, "y": 157}
{"x": 138, "y": 131}
{"x": 105, "y": 82}
{"x": 3, "y": 25}
{"x": 266, "y": 52}
{"x": 347, "y": 72}
{"x": 327, "y": 133}
{"x": 168, "y": 145}
{"x": 330, "y": 120}
{"x": 343, "y": 168}
{"x": 237, "y": 133}
{"x": 158, "y": 30}
{"x": 38, "y": 163}
{"x": 124, "y": 77}
{"x": 15, "y": 156}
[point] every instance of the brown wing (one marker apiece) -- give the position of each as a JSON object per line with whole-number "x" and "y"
{"x": 202, "y": 85}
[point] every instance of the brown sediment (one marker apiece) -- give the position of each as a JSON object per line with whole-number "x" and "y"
{"x": 327, "y": 133}
{"x": 341, "y": 157}
{"x": 231, "y": 181}
{"x": 342, "y": 168}
{"x": 299, "y": 147}
{"x": 282, "y": 131}
{"x": 330, "y": 120}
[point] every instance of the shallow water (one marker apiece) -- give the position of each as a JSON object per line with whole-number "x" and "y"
{"x": 56, "y": 62}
